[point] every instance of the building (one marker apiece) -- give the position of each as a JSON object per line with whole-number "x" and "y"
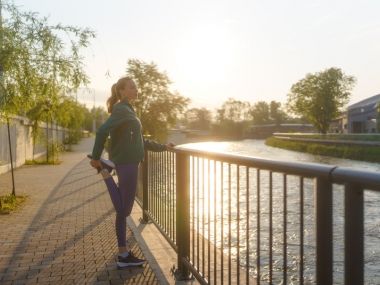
{"x": 362, "y": 116}
{"x": 339, "y": 125}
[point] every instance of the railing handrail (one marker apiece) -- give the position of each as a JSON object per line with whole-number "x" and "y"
{"x": 337, "y": 174}
{"x": 296, "y": 168}
{"x": 324, "y": 176}
{"x": 367, "y": 179}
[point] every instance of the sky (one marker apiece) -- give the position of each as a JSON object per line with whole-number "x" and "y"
{"x": 213, "y": 49}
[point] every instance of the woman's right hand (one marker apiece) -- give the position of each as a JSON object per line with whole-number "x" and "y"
{"x": 96, "y": 164}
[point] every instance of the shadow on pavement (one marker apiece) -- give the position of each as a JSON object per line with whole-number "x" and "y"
{"x": 71, "y": 238}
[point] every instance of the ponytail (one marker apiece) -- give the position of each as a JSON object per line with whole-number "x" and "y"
{"x": 112, "y": 100}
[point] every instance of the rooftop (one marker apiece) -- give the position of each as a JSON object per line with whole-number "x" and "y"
{"x": 371, "y": 100}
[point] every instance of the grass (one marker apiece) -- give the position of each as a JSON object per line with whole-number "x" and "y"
{"x": 10, "y": 203}
{"x": 351, "y": 137}
{"x": 367, "y": 153}
{"x": 42, "y": 162}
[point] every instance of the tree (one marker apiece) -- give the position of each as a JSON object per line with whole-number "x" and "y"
{"x": 66, "y": 112}
{"x": 71, "y": 116}
{"x": 198, "y": 118}
{"x": 264, "y": 113}
{"x": 319, "y": 97}
{"x": 40, "y": 61}
{"x": 260, "y": 113}
{"x": 157, "y": 106}
{"x": 233, "y": 118}
{"x": 234, "y": 110}
{"x": 41, "y": 111}
{"x": 36, "y": 63}
{"x": 277, "y": 115}
{"x": 97, "y": 113}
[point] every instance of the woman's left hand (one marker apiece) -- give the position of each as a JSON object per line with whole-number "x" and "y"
{"x": 170, "y": 146}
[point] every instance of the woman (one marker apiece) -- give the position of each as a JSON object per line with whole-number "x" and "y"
{"x": 126, "y": 151}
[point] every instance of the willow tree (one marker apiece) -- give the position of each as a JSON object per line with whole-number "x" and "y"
{"x": 73, "y": 117}
{"x": 157, "y": 106}
{"x": 40, "y": 62}
{"x": 321, "y": 96}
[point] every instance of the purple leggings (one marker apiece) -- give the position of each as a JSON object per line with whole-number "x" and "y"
{"x": 122, "y": 197}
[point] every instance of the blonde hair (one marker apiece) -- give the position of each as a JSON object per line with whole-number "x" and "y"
{"x": 115, "y": 92}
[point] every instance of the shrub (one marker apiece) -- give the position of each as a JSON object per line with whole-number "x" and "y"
{"x": 365, "y": 153}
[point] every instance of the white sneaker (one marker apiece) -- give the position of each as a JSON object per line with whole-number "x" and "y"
{"x": 106, "y": 164}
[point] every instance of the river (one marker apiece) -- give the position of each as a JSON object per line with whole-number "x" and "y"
{"x": 257, "y": 148}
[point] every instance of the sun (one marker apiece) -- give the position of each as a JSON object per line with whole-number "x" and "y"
{"x": 205, "y": 52}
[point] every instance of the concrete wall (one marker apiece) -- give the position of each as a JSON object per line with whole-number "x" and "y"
{"x": 22, "y": 141}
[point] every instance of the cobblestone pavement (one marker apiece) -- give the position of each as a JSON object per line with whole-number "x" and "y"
{"x": 64, "y": 234}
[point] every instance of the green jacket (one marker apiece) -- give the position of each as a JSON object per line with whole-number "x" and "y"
{"x": 127, "y": 143}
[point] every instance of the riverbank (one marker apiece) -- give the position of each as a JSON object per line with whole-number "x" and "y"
{"x": 342, "y": 146}
{"x": 333, "y": 136}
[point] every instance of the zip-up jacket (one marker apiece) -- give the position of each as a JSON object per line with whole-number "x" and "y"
{"x": 127, "y": 143}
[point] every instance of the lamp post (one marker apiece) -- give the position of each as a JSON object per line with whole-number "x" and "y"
{"x": 94, "y": 114}
{"x": 2, "y": 97}
{"x": 1, "y": 65}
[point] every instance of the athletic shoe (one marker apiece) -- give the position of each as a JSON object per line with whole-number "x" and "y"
{"x": 129, "y": 261}
{"x": 106, "y": 164}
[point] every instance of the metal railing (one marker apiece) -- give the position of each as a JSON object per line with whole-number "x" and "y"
{"x": 241, "y": 220}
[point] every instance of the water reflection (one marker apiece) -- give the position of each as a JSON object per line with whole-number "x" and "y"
{"x": 224, "y": 211}
{"x": 257, "y": 148}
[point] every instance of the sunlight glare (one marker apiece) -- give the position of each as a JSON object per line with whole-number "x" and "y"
{"x": 209, "y": 146}
{"x": 205, "y": 52}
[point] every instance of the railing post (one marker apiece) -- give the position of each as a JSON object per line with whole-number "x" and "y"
{"x": 145, "y": 201}
{"x": 323, "y": 216}
{"x": 182, "y": 214}
{"x": 354, "y": 234}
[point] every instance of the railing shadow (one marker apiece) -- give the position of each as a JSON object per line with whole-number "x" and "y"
{"x": 73, "y": 192}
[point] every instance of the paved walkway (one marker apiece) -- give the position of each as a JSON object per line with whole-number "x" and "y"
{"x": 64, "y": 234}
